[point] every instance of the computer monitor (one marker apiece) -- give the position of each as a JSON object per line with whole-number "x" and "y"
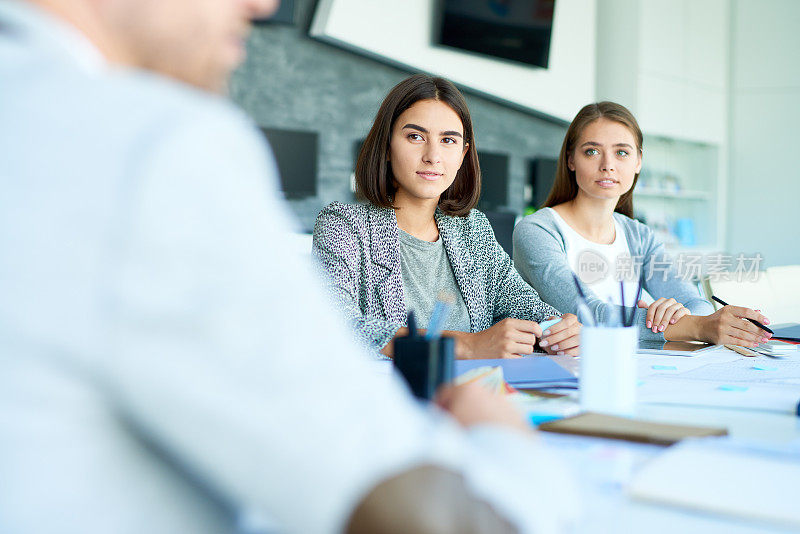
{"x": 542, "y": 174}
{"x": 296, "y": 154}
{"x": 515, "y": 30}
{"x": 494, "y": 180}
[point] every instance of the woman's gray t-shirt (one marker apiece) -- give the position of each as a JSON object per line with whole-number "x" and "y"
{"x": 427, "y": 272}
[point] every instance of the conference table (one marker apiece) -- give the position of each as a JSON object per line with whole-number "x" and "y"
{"x": 604, "y": 467}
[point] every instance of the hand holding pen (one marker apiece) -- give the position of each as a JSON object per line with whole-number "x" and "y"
{"x": 729, "y": 325}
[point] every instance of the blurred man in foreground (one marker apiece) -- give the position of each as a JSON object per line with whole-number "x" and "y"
{"x": 156, "y": 374}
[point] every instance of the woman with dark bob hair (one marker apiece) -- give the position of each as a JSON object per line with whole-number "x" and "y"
{"x": 417, "y": 234}
{"x": 587, "y": 227}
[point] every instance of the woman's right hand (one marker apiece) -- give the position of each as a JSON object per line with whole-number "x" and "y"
{"x": 509, "y": 338}
{"x": 728, "y": 325}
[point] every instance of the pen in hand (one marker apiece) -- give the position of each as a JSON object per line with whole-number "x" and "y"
{"x": 761, "y": 326}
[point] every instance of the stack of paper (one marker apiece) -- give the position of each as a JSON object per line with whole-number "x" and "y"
{"x": 723, "y": 476}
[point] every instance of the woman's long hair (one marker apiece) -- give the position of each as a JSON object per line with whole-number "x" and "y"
{"x": 565, "y": 186}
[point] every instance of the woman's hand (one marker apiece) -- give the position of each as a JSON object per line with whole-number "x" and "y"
{"x": 729, "y": 325}
{"x": 563, "y": 337}
{"x": 472, "y": 404}
{"x": 510, "y": 338}
{"x": 662, "y": 313}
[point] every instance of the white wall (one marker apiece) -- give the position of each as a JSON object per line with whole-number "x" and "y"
{"x": 764, "y": 118}
{"x": 400, "y": 30}
{"x": 668, "y": 63}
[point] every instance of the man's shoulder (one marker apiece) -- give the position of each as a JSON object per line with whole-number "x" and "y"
{"x": 140, "y": 95}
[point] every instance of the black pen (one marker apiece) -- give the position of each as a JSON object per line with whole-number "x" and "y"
{"x": 582, "y": 303}
{"x": 761, "y": 326}
{"x": 635, "y": 303}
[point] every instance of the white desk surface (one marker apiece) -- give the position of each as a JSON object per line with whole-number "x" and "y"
{"x": 603, "y": 467}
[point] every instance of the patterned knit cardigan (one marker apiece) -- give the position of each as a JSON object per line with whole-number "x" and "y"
{"x": 358, "y": 247}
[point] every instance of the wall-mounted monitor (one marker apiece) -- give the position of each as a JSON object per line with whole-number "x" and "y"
{"x": 542, "y": 174}
{"x": 296, "y": 154}
{"x": 516, "y": 30}
{"x": 494, "y": 180}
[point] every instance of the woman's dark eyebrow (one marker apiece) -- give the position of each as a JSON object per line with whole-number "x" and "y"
{"x": 415, "y": 127}
{"x": 593, "y": 143}
{"x": 425, "y": 130}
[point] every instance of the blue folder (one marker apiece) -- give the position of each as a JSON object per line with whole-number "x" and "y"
{"x": 528, "y": 372}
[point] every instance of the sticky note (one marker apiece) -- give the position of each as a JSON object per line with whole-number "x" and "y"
{"x": 640, "y": 382}
{"x": 539, "y": 418}
{"x": 550, "y": 322}
{"x": 764, "y": 368}
{"x": 726, "y": 387}
{"x": 665, "y": 368}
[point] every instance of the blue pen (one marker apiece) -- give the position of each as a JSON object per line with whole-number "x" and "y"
{"x": 441, "y": 310}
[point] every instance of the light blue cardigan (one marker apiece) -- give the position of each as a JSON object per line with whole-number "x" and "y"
{"x": 540, "y": 255}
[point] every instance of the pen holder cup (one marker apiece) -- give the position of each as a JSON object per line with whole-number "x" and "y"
{"x": 425, "y": 363}
{"x": 608, "y": 370}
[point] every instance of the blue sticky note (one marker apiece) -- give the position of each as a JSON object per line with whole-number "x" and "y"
{"x": 726, "y": 387}
{"x": 665, "y": 368}
{"x": 550, "y": 322}
{"x": 640, "y": 382}
{"x": 764, "y": 368}
{"x": 539, "y": 418}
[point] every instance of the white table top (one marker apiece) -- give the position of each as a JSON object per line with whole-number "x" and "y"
{"x": 603, "y": 467}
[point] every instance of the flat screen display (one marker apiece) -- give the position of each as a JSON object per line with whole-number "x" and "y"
{"x": 494, "y": 180}
{"x": 542, "y": 176}
{"x": 515, "y": 30}
{"x": 296, "y": 154}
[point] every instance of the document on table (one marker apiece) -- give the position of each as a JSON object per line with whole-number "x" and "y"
{"x": 725, "y": 476}
{"x": 723, "y": 379}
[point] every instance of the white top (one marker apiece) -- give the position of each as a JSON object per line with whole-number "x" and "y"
{"x": 164, "y": 361}
{"x": 600, "y": 266}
